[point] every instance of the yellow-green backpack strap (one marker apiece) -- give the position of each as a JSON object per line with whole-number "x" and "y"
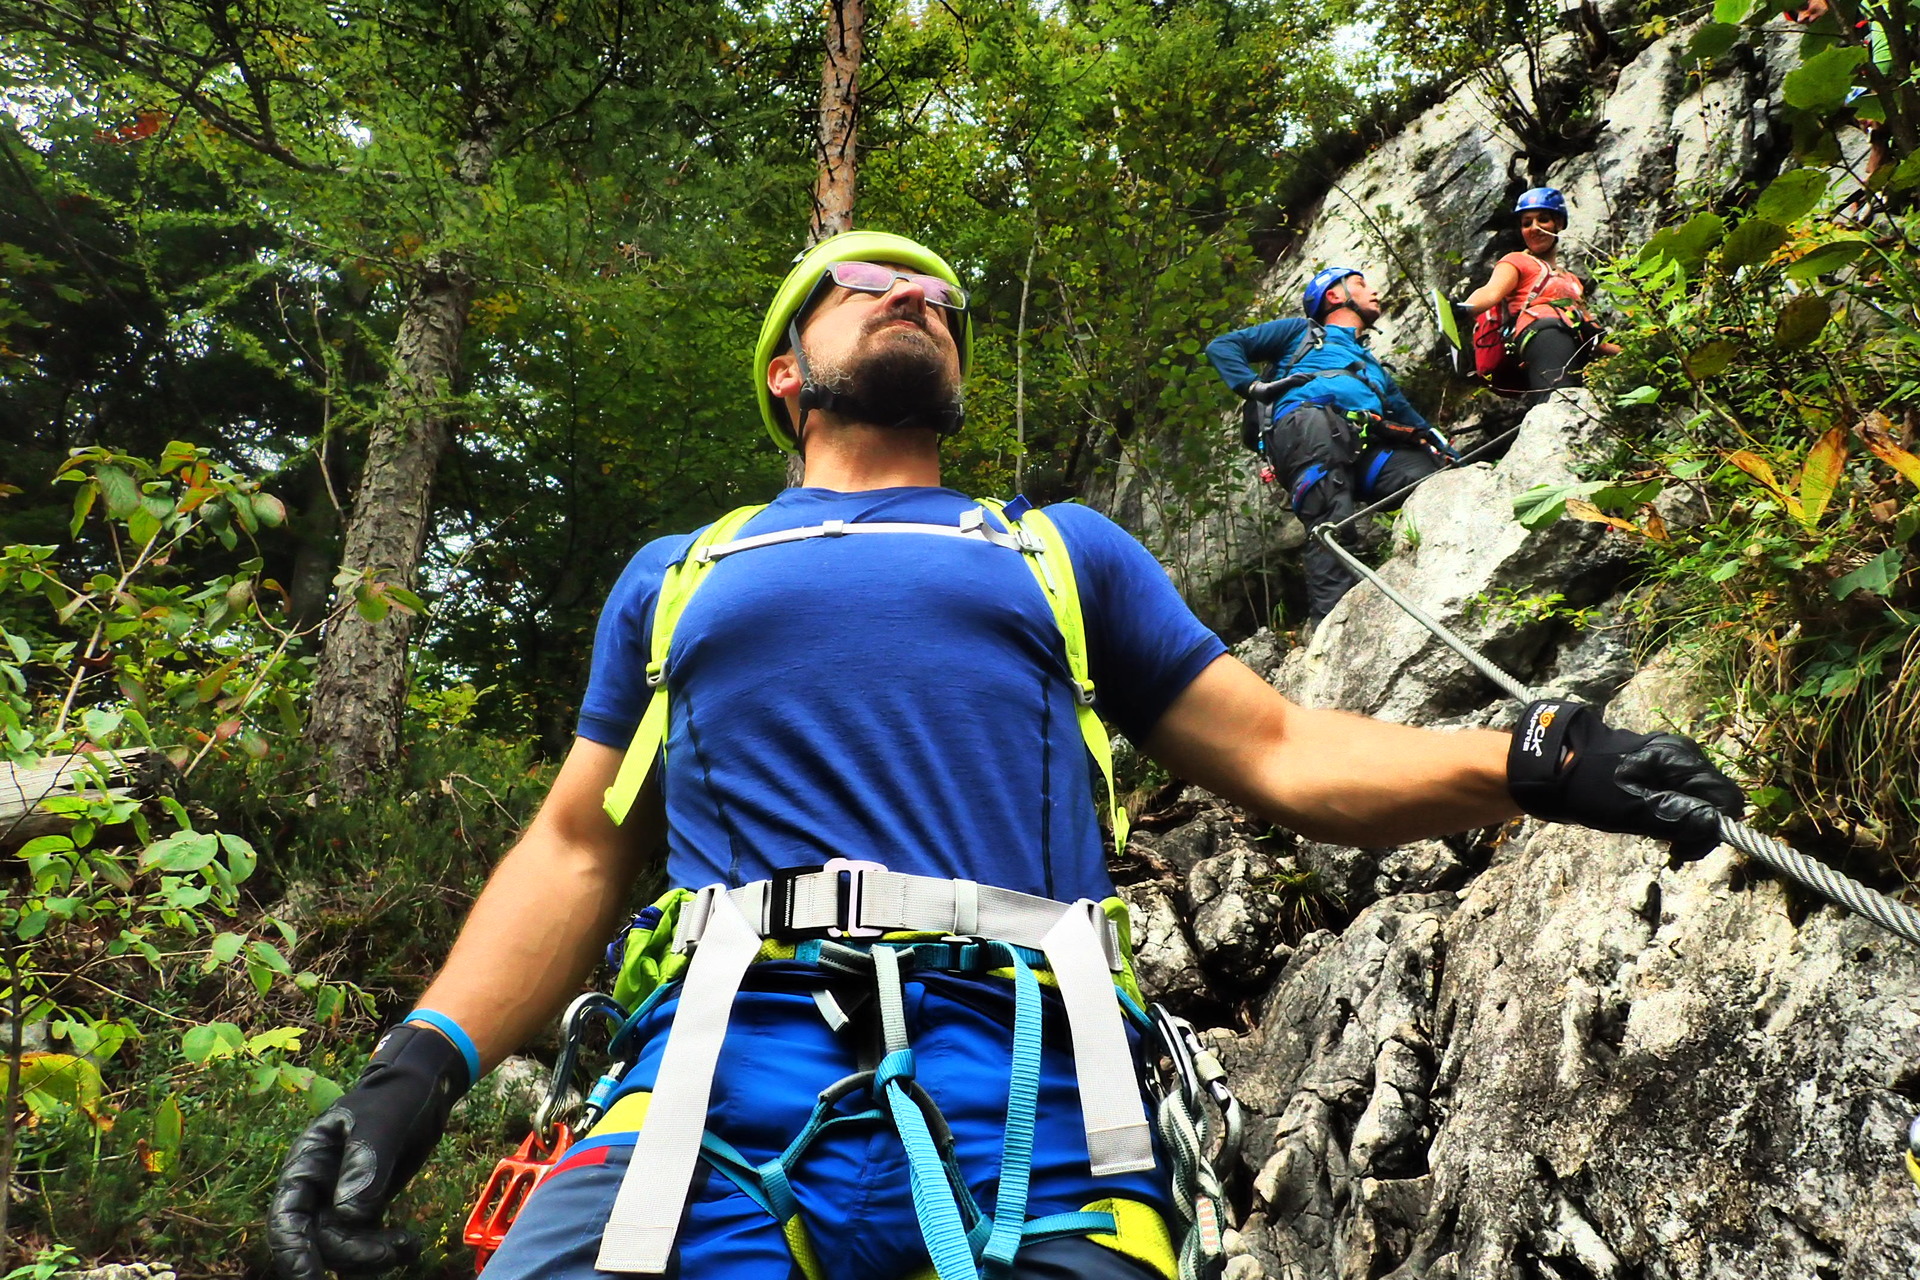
{"x": 1053, "y": 567}
{"x": 676, "y": 589}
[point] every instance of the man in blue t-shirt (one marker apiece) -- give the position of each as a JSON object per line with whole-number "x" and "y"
{"x": 1338, "y": 427}
{"x": 904, "y": 698}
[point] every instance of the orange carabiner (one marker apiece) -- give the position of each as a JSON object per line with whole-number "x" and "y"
{"x": 507, "y": 1189}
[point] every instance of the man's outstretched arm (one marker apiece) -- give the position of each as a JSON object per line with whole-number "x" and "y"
{"x": 1330, "y": 775}
{"x": 1346, "y": 779}
{"x": 532, "y": 937}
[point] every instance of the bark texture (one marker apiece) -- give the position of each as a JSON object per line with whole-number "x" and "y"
{"x": 839, "y": 119}
{"x": 361, "y": 687}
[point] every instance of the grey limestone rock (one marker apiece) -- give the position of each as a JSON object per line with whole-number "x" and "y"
{"x": 1164, "y": 959}
{"x": 1238, "y": 909}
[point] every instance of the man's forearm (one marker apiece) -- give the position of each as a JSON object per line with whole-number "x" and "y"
{"x": 1348, "y": 779}
{"x": 534, "y": 935}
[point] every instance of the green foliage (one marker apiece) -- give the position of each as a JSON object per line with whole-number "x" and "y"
{"x": 113, "y": 655}
{"x": 1769, "y": 384}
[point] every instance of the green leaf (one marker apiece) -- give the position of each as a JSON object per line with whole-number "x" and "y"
{"x": 226, "y": 946}
{"x": 271, "y": 511}
{"x": 327, "y": 1004}
{"x": 285, "y": 1039}
{"x": 1639, "y": 395}
{"x": 169, "y": 1126}
{"x": 42, "y": 845}
{"x": 32, "y": 924}
{"x": 1801, "y": 321}
{"x": 1820, "y": 83}
{"x": 1733, "y": 12}
{"x": 1687, "y": 245}
{"x": 1830, "y": 256}
{"x": 182, "y": 851}
{"x": 1713, "y": 40}
{"x": 99, "y": 725}
{"x": 323, "y": 1093}
{"x": 1876, "y": 575}
{"x": 1710, "y": 360}
{"x": 269, "y": 955}
{"x": 1752, "y": 241}
{"x": 1791, "y": 196}
{"x": 121, "y": 493}
{"x": 241, "y": 859}
{"x": 83, "y": 499}
{"x": 209, "y": 1041}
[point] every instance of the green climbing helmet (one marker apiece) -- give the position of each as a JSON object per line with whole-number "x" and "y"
{"x": 848, "y": 246}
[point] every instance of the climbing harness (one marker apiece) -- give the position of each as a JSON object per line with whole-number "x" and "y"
{"x": 1895, "y": 917}
{"x": 516, "y": 1176}
{"x": 838, "y": 916}
{"x": 1913, "y": 1149}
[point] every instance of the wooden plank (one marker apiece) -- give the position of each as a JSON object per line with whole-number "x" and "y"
{"x": 25, "y": 787}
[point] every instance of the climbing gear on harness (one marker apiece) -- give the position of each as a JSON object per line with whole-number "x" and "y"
{"x": 1377, "y": 431}
{"x": 506, "y": 1190}
{"x": 974, "y": 927}
{"x": 802, "y": 287}
{"x": 1028, "y": 531}
{"x": 547, "y": 1142}
{"x": 1547, "y": 198}
{"x": 1186, "y": 1132}
{"x": 1315, "y": 294}
{"x": 1895, "y": 917}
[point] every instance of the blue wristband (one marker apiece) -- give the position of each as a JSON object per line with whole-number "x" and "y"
{"x": 457, "y": 1034}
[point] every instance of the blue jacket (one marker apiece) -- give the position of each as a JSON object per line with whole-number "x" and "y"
{"x": 1365, "y": 385}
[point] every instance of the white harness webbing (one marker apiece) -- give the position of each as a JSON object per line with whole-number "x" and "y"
{"x": 857, "y": 899}
{"x": 973, "y": 524}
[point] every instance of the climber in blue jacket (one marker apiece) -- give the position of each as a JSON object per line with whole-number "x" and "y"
{"x": 1339, "y": 427}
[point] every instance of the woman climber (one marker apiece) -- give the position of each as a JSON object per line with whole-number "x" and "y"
{"x": 1542, "y": 309}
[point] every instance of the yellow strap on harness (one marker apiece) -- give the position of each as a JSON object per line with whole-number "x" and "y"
{"x": 676, "y": 589}
{"x": 1053, "y": 568}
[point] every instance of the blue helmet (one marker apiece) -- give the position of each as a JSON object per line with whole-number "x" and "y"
{"x": 1323, "y": 280}
{"x": 1543, "y": 198}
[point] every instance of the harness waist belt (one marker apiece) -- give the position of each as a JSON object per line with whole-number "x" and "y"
{"x": 849, "y": 899}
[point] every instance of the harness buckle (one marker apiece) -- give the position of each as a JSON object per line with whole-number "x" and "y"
{"x": 783, "y": 894}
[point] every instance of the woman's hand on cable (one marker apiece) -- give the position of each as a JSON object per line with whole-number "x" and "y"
{"x": 1567, "y": 765}
{"x": 329, "y": 1205}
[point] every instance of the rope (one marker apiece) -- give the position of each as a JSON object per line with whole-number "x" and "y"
{"x": 1895, "y": 917}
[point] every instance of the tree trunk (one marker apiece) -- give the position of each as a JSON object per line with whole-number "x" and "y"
{"x": 360, "y": 688}
{"x": 839, "y": 118}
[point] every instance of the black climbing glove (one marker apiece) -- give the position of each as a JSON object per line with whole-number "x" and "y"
{"x": 1567, "y": 765}
{"x": 333, "y": 1190}
{"x": 1264, "y": 392}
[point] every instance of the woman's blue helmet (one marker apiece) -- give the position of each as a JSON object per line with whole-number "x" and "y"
{"x": 1543, "y": 198}
{"x": 1323, "y": 280}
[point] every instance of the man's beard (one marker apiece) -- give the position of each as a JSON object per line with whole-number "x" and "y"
{"x": 895, "y": 379}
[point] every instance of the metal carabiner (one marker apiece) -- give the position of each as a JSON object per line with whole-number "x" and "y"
{"x": 572, "y": 1029}
{"x": 1199, "y": 1071}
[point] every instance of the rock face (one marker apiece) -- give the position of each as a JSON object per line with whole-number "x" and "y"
{"x": 1429, "y": 210}
{"x": 1544, "y": 1053}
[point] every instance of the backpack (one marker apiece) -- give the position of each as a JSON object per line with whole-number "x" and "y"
{"x": 1254, "y": 414}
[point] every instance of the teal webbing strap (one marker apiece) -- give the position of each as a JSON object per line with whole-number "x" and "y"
{"x": 1057, "y": 1226}
{"x": 1016, "y": 1150}
{"x": 933, "y": 1200}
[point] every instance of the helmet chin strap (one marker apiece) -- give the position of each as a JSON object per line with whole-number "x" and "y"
{"x": 946, "y": 421}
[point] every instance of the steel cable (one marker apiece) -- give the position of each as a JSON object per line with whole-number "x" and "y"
{"x": 1895, "y": 917}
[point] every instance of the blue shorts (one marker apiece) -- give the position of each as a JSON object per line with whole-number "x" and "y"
{"x": 852, "y": 1183}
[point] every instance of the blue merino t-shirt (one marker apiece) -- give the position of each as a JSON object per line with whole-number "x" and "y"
{"x": 902, "y": 698}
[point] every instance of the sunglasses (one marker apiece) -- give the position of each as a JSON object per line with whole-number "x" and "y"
{"x": 872, "y": 277}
